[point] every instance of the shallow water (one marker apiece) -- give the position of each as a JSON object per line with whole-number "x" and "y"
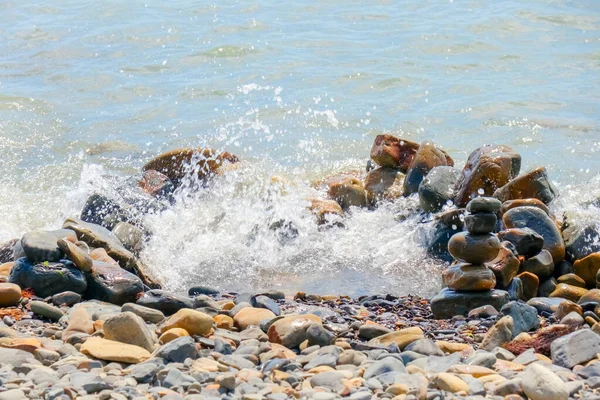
{"x": 91, "y": 89}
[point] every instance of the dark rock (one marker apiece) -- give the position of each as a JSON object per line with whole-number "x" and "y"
{"x": 534, "y": 184}
{"x": 527, "y": 242}
{"x": 102, "y": 210}
{"x": 580, "y": 239}
{"x": 446, "y": 225}
{"x": 531, "y": 284}
{"x": 564, "y": 268}
{"x": 547, "y": 287}
{"x": 370, "y": 331}
{"x": 484, "y": 205}
{"x": 515, "y": 289}
{"x": 386, "y": 365}
{"x": 145, "y": 372}
{"x": 540, "y": 265}
{"x": 41, "y": 246}
{"x": 546, "y": 304}
{"x": 110, "y": 283}
{"x": 449, "y": 303}
{"x": 167, "y": 302}
{"x": 178, "y": 350}
{"x": 428, "y": 157}
{"x": 316, "y": 334}
{"x": 524, "y": 316}
{"x": 474, "y": 249}
{"x": 265, "y": 302}
{"x": 536, "y": 219}
{"x": 197, "y": 290}
{"x": 437, "y": 188}
{"x": 481, "y": 223}
{"x": 505, "y": 266}
{"x": 47, "y": 279}
{"x": 66, "y": 299}
{"x": 426, "y": 347}
{"x": 147, "y": 314}
{"x": 6, "y": 251}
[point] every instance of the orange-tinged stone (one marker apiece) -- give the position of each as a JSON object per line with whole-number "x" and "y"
{"x": 587, "y": 269}
{"x": 248, "y": 316}
{"x": 226, "y": 305}
{"x": 473, "y": 370}
{"x": 492, "y": 379}
{"x": 172, "y": 334}
{"x": 568, "y": 292}
{"x": 98, "y": 325}
{"x": 177, "y": 163}
{"x": 26, "y": 344}
{"x": 503, "y": 366}
{"x": 223, "y": 321}
{"x": 109, "y": 350}
{"x": 449, "y": 347}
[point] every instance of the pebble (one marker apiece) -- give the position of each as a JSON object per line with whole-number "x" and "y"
{"x": 46, "y": 310}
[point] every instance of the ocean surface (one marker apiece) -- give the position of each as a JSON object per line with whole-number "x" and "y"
{"x": 89, "y": 91}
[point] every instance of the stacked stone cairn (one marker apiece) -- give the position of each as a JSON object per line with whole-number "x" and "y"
{"x": 469, "y": 282}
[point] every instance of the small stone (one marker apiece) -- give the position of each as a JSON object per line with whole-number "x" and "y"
{"x": 527, "y": 242}
{"x": 172, "y": 334}
{"x": 572, "y": 319}
{"x": 40, "y": 246}
{"x": 450, "y": 383}
{"x": 524, "y": 316}
{"x": 540, "y": 383}
{"x": 45, "y": 356}
{"x": 531, "y": 284}
{"x": 482, "y": 205}
{"x": 10, "y": 294}
{"x": 571, "y": 279}
{"x": 401, "y": 338}
{"x": 290, "y": 331}
{"x": 384, "y": 366}
{"x": 370, "y": 331}
{"x": 109, "y": 350}
{"x": 428, "y": 157}
{"x": 266, "y": 303}
{"x": 575, "y": 348}
{"x": 223, "y": 321}
{"x": 499, "y": 334}
{"x": 46, "y": 310}
{"x": 178, "y": 350}
{"x": 166, "y": 302}
{"x": 194, "y": 322}
{"x": 547, "y": 287}
{"x": 568, "y": 292}
{"x": 67, "y": 298}
{"x": 80, "y": 323}
{"x": 130, "y": 329}
{"x": 531, "y": 185}
{"x": 316, "y": 334}
{"x": 483, "y": 312}
{"x": 469, "y": 277}
{"x": 474, "y": 249}
{"x": 146, "y": 313}
{"x": 424, "y": 346}
{"x": 505, "y": 266}
{"x": 541, "y": 265}
{"x": 251, "y": 316}
{"x": 566, "y": 307}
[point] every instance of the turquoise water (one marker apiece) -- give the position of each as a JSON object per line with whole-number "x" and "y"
{"x": 298, "y": 89}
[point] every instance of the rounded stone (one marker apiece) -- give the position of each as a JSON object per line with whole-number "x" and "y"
{"x": 540, "y": 265}
{"x": 251, "y": 316}
{"x": 46, "y": 310}
{"x": 47, "y": 279}
{"x": 41, "y": 246}
{"x": 172, "y": 334}
{"x": 571, "y": 279}
{"x": 474, "y": 249}
{"x": 484, "y": 205}
{"x": 587, "y": 268}
{"x": 10, "y": 294}
{"x": 481, "y": 223}
{"x": 469, "y": 277}
{"x": 527, "y": 242}
{"x": 194, "y": 322}
{"x": 568, "y": 292}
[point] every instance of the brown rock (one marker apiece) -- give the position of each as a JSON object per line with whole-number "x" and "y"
{"x": 392, "y": 152}
{"x": 566, "y": 307}
{"x": 450, "y": 383}
{"x": 510, "y": 204}
{"x": 384, "y": 184}
{"x": 474, "y": 249}
{"x": 401, "y": 338}
{"x": 505, "y": 266}
{"x": 571, "y": 279}
{"x": 291, "y": 330}
{"x": 498, "y": 334}
{"x": 194, "y": 322}
{"x": 108, "y": 350}
{"x": 534, "y": 184}
{"x": 487, "y": 169}
{"x": 80, "y": 258}
{"x": 172, "y": 334}
{"x": 568, "y": 292}
{"x": 347, "y": 191}
{"x": 428, "y": 157}
{"x": 223, "y": 321}
{"x": 531, "y": 284}
{"x": 587, "y": 269}
{"x": 248, "y": 316}
{"x": 177, "y": 163}
{"x": 100, "y": 254}
{"x": 592, "y": 296}
{"x": 326, "y": 211}
{"x": 80, "y": 323}
{"x": 154, "y": 183}
{"x": 468, "y": 277}
{"x": 5, "y": 270}
{"x": 10, "y": 294}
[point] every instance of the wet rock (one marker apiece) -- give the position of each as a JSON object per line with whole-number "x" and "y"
{"x": 484, "y": 205}
{"x": 111, "y": 283}
{"x": 178, "y": 350}
{"x": 383, "y": 184}
{"x": 567, "y": 307}
{"x": 348, "y": 191}
{"x": 546, "y": 304}
{"x": 499, "y": 334}
{"x": 483, "y": 312}
{"x": 147, "y": 314}
{"x": 10, "y": 294}
{"x": 546, "y": 287}
{"x": 474, "y": 249}
{"x": 66, "y": 299}
{"x": 109, "y": 350}
{"x": 446, "y": 225}
{"x": 541, "y": 265}
{"x": 536, "y": 219}
{"x": 400, "y": 338}
{"x": 571, "y": 279}
{"x": 130, "y": 329}
{"x": 392, "y": 152}
{"x": 532, "y": 185}
{"x": 568, "y": 292}
{"x": 515, "y": 290}
{"x": 580, "y": 239}
{"x": 200, "y": 162}
{"x": 428, "y": 157}
{"x": 194, "y": 322}
{"x": 575, "y": 348}
{"x": 46, "y": 310}
{"x": 527, "y": 242}
{"x": 47, "y": 279}
{"x": 327, "y": 212}
{"x": 166, "y": 302}
{"x": 41, "y": 246}
{"x": 487, "y": 169}
{"x": 200, "y": 289}
{"x": 6, "y": 250}
{"x": 531, "y": 284}
{"x": 587, "y": 268}
{"x": 540, "y": 383}
{"x": 251, "y": 316}
{"x": 524, "y": 316}
{"x": 510, "y": 204}
{"x": 481, "y": 223}
{"x": 592, "y": 296}
{"x": 449, "y": 303}
{"x": 156, "y": 184}
{"x": 79, "y": 257}
{"x": 437, "y": 188}
{"x": 505, "y": 266}
{"x": 129, "y": 235}
{"x": 469, "y": 277}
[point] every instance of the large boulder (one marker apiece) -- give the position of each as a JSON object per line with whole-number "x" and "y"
{"x": 392, "y": 152}
{"x": 427, "y": 158}
{"x": 201, "y": 162}
{"x": 487, "y": 169}
{"x": 348, "y": 191}
{"x": 540, "y": 222}
{"x": 383, "y": 184}
{"x": 48, "y": 278}
{"x": 111, "y": 283}
{"x": 437, "y": 188}
{"x": 532, "y": 185}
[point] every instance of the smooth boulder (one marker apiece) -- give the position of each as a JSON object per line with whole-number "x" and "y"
{"x": 40, "y": 246}
{"x": 474, "y": 249}
{"x": 47, "y": 279}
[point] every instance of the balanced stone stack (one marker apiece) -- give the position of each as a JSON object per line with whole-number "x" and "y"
{"x": 470, "y": 283}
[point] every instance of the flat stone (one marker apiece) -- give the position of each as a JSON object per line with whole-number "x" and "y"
{"x": 67, "y": 298}
{"x": 144, "y": 372}
{"x": 545, "y": 304}
{"x": 41, "y": 246}
{"x": 474, "y": 249}
{"x": 172, "y": 334}
{"x": 266, "y": 303}
{"x": 179, "y": 350}
{"x": 575, "y": 348}
{"x": 370, "y": 331}
{"x": 130, "y": 329}
{"x": 479, "y": 224}
{"x": 111, "y": 283}
{"x": 568, "y": 292}
{"x": 469, "y": 277}
{"x": 401, "y": 338}
{"x": 449, "y": 303}
{"x": 48, "y": 278}
{"x": 46, "y": 310}
{"x": 109, "y": 350}
{"x": 426, "y": 347}
{"x": 571, "y": 279}
{"x": 146, "y": 313}
{"x": 482, "y": 205}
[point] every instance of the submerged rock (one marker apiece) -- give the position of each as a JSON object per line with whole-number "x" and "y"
{"x": 47, "y": 279}
{"x": 348, "y": 191}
